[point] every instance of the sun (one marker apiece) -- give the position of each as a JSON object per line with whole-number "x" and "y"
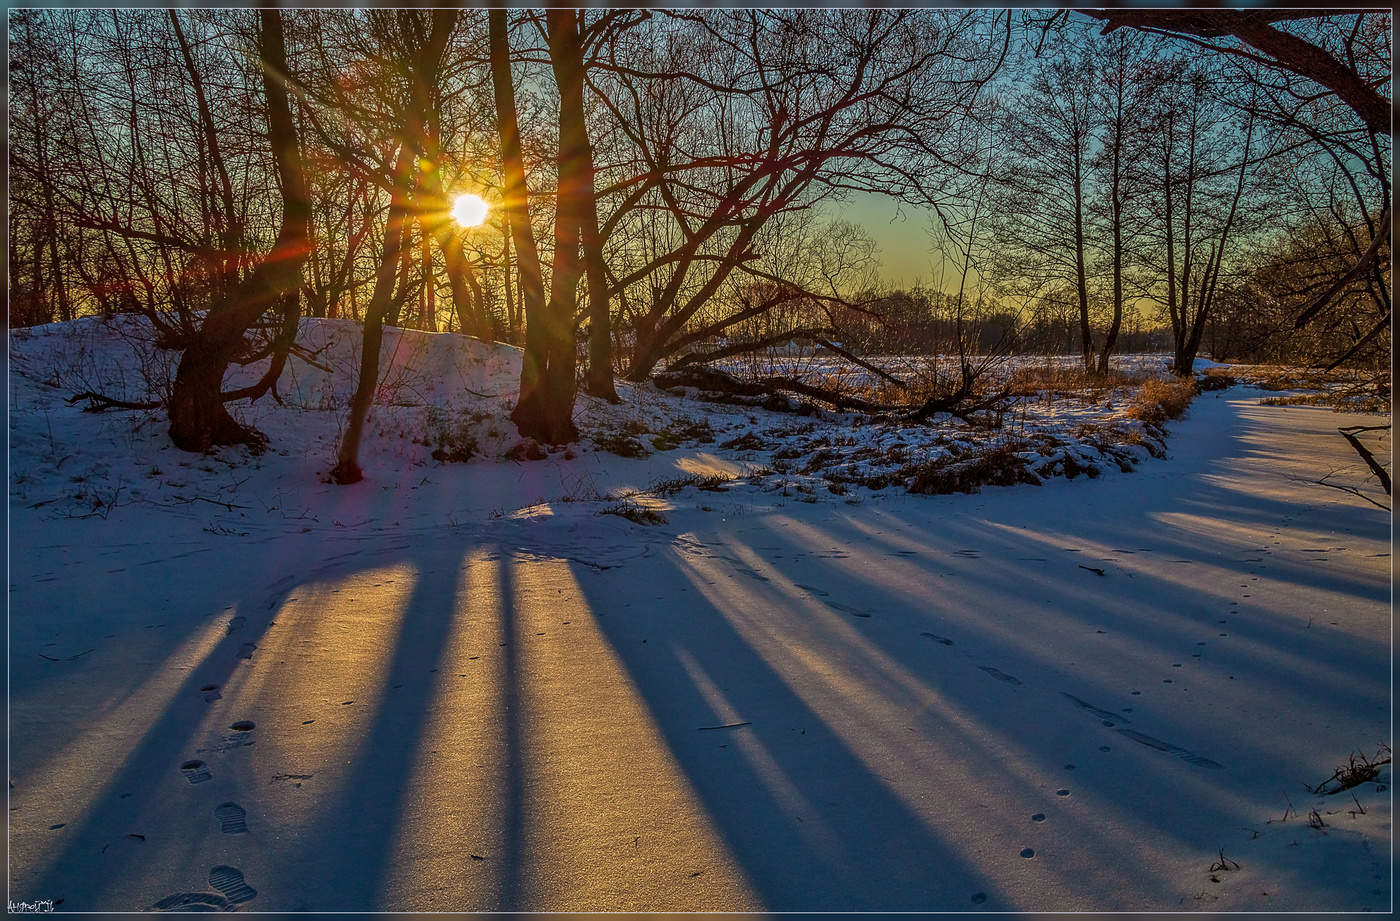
{"x": 468, "y": 210}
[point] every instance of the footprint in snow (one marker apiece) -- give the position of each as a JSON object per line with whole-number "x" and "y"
{"x": 236, "y": 622}
{"x": 211, "y": 693}
{"x": 122, "y": 844}
{"x": 194, "y": 901}
{"x": 229, "y": 881}
{"x": 196, "y": 771}
{"x": 937, "y": 639}
{"x": 246, "y": 650}
{"x": 1000, "y": 675}
{"x": 1189, "y": 757}
{"x": 233, "y": 820}
{"x": 811, "y": 588}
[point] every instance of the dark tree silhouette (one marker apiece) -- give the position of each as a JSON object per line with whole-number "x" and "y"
{"x": 198, "y": 417}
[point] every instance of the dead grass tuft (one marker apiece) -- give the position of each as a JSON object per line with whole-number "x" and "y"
{"x": 621, "y": 444}
{"x": 1159, "y": 400}
{"x": 632, "y": 511}
{"x": 1358, "y": 770}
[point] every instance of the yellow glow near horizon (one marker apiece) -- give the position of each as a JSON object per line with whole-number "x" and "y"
{"x": 468, "y": 210}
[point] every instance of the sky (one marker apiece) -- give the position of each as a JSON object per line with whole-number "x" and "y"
{"x": 900, "y": 231}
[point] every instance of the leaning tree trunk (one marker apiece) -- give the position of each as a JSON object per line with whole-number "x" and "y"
{"x": 198, "y": 417}
{"x": 544, "y": 410}
{"x": 347, "y": 468}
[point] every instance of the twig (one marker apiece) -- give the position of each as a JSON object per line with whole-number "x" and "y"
{"x": 309, "y": 357}
{"x": 1354, "y": 491}
{"x": 725, "y": 726}
{"x": 227, "y": 505}
{"x": 1290, "y": 810}
{"x": 65, "y": 658}
{"x": 1224, "y": 864}
{"x": 1093, "y": 569}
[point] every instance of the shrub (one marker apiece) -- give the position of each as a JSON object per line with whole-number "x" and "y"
{"x": 1003, "y": 465}
{"x": 681, "y": 431}
{"x": 621, "y": 444}
{"x": 450, "y": 437}
{"x": 749, "y": 441}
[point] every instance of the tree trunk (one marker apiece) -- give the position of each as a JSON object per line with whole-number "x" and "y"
{"x": 347, "y": 468}
{"x": 427, "y": 306}
{"x": 544, "y": 410}
{"x": 450, "y": 242}
{"x": 1116, "y": 216}
{"x": 198, "y": 419}
{"x": 508, "y": 283}
{"x": 1086, "y": 341}
{"x": 566, "y": 54}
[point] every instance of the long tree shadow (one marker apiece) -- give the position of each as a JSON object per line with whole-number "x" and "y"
{"x": 806, "y": 816}
{"x": 123, "y": 794}
{"x": 848, "y": 756}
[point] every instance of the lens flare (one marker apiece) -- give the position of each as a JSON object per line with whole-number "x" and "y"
{"x": 468, "y": 210}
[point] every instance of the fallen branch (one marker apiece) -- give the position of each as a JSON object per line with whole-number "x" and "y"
{"x": 714, "y": 380}
{"x": 957, "y": 404}
{"x": 98, "y": 402}
{"x": 1350, "y": 433}
{"x": 880, "y": 372}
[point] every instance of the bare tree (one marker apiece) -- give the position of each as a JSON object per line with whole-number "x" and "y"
{"x": 1256, "y": 35}
{"x": 1046, "y": 185}
{"x": 544, "y": 409}
{"x": 198, "y": 418}
{"x": 737, "y": 117}
{"x": 420, "y": 51}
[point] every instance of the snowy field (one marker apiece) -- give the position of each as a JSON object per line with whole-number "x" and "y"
{"x": 467, "y": 686}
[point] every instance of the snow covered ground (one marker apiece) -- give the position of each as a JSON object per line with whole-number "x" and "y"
{"x": 464, "y": 686}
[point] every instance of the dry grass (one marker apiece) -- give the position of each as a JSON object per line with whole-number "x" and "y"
{"x": 621, "y": 444}
{"x": 1161, "y": 399}
{"x": 1033, "y": 380}
{"x": 1358, "y": 770}
{"x": 635, "y": 512}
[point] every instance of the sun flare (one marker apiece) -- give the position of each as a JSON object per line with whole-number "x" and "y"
{"x": 468, "y": 210}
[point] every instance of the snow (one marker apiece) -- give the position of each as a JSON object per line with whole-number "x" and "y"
{"x": 471, "y": 689}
